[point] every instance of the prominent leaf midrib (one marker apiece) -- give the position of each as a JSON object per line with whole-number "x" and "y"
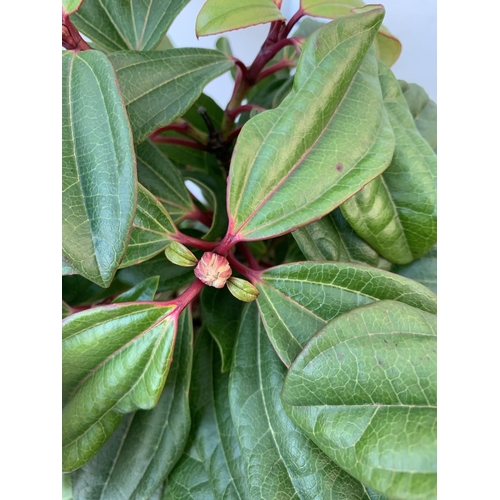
{"x": 139, "y": 379}
{"x": 363, "y": 406}
{"x": 154, "y": 220}
{"x": 306, "y": 153}
{"x": 104, "y": 35}
{"x": 110, "y": 17}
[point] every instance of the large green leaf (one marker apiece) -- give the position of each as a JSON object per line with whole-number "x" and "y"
{"x": 397, "y": 212}
{"x": 218, "y": 16}
{"x": 143, "y": 291}
{"x": 139, "y": 455}
{"x": 387, "y": 45}
{"x": 364, "y": 390}
{"x": 424, "y": 111}
{"x": 297, "y": 300}
{"x": 160, "y": 86}
{"x": 274, "y": 189}
{"x": 99, "y": 176}
{"x": 332, "y": 238}
{"x": 152, "y": 230}
{"x": 221, "y": 313}
{"x": 280, "y": 462}
{"x": 216, "y": 439}
{"x": 423, "y": 270}
{"x": 133, "y": 25}
{"x": 162, "y": 178}
{"x": 115, "y": 360}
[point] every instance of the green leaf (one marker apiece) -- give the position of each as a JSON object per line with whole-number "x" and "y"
{"x": 297, "y": 300}
{"x": 215, "y": 436}
{"x": 221, "y": 313}
{"x": 423, "y": 270}
{"x": 388, "y": 47}
{"x": 165, "y": 44}
{"x": 66, "y": 310}
{"x": 70, "y": 6}
{"x": 132, "y": 25}
{"x": 99, "y": 177}
{"x": 152, "y": 230}
{"x": 397, "y": 212}
{"x": 151, "y": 440}
{"x": 424, "y": 111}
{"x": 272, "y": 189}
{"x": 218, "y": 16}
{"x": 364, "y": 390}
{"x": 67, "y": 493}
{"x": 280, "y": 462}
{"x": 162, "y": 179}
{"x": 67, "y": 270}
{"x": 115, "y": 360}
{"x": 160, "y": 86}
{"x": 332, "y": 238}
{"x": 144, "y": 291}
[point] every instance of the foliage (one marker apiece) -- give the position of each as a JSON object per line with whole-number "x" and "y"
{"x": 316, "y": 204}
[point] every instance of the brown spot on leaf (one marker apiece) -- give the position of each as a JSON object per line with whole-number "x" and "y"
{"x": 339, "y": 167}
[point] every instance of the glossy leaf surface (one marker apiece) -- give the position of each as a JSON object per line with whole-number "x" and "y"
{"x": 297, "y": 300}
{"x": 132, "y": 25}
{"x": 397, "y": 212}
{"x": 364, "y": 390}
{"x": 99, "y": 177}
{"x": 221, "y": 314}
{"x": 218, "y": 16}
{"x": 163, "y": 180}
{"x": 139, "y": 455}
{"x": 160, "y": 86}
{"x": 332, "y": 238}
{"x": 152, "y": 229}
{"x": 387, "y": 45}
{"x": 423, "y": 270}
{"x": 143, "y": 291}
{"x": 115, "y": 361}
{"x": 280, "y": 462}
{"x": 423, "y": 110}
{"x": 275, "y": 189}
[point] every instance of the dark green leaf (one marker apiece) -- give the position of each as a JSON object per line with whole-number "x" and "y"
{"x": 133, "y": 25}
{"x": 139, "y": 455}
{"x": 275, "y": 189}
{"x": 115, "y": 360}
{"x": 99, "y": 177}
{"x": 297, "y": 300}
{"x": 364, "y": 390}
{"x": 423, "y": 270}
{"x": 397, "y": 212}
{"x": 144, "y": 291}
{"x": 152, "y": 229}
{"x": 160, "y": 86}
{"x": 162, "y": 178}
{"x": 332, "y": 238}
{"x": 218, "y": 16}
{"x": 280, "y": 462}
{"x": 221, "y": 313}
{"x": 66, "y": 310}
{"x": 423, "y": 110}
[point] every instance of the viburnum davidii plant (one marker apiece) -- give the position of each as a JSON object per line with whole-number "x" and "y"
{"x": 248, "y": 292}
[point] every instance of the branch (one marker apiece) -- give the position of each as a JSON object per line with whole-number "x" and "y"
{"x": 178, "y": 141}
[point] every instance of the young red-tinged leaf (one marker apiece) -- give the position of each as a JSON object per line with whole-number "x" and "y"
{"x": 275, "y": 189}
{"x": 131, "y": 25}
{"x": 152, "y": 440}
{"x": 279, "y": 461}
{"x": 297, "y": 300}
{"x": 160, "y": 86}
{"x": 388, "y": 47}
{"x": 397, "y": 212}
{"x": 364, "y": 390}
{"x": 115, "y": 360}
{"x": 218, "y": 16}
{"x": 152, "y": 230}
{"x": 99, "y": 175}
{"x": 143, "y": 291}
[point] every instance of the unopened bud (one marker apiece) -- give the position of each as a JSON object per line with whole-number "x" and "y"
{"x": 180, "y": 255}
{"x": 242, "y": 289}
{"x": 213, "y": 270}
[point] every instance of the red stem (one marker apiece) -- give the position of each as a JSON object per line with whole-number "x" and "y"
{"x": 176, "y": 127}
{"x": 284, "y": 63}
{"x": 200, "y": 216}
{"x": 233, "y": 113}
{"x": 296, "y": 17}
{"x": 186, "y": 297}
{"x": 234, "y": 134}
{"x": 247, "y": 253}
{"x": 178, "y": 142}
{"x": 249, "y": 274}
{"x": 71, "y": 38}
{"x": 207, "y": 246}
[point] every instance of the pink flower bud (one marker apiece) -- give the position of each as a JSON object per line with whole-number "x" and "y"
{"x": 213, "y": 270}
